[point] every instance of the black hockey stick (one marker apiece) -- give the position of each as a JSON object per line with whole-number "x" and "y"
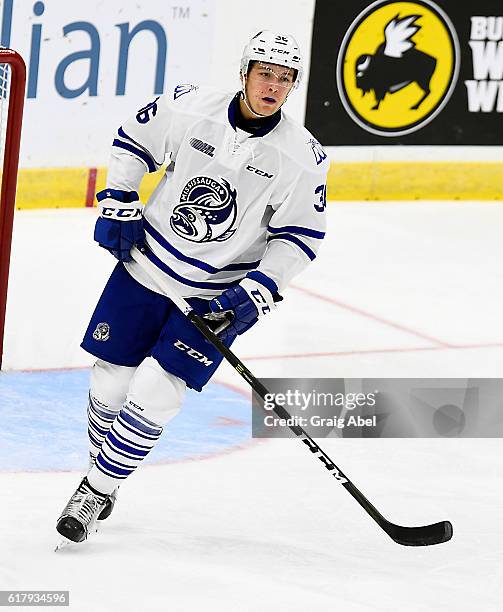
{"x": 426, "y": 535}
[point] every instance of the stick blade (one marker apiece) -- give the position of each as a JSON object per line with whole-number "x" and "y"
{"x": 427, "y": 535}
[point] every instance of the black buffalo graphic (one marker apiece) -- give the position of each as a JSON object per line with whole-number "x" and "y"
{"x": 396, "y": 63}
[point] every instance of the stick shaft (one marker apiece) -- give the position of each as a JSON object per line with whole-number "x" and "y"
{"x": 237, "y": 364}
{"x": 170, "y": 292}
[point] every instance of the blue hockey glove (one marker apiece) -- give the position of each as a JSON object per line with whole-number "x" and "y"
{"x": 120, "y": 224}
{"x": 253, "y": 298}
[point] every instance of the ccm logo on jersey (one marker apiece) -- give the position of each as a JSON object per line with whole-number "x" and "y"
{"x": 193, "y": 353}
{"x": 259, "y": 172}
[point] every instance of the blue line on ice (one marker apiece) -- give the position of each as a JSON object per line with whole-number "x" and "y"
{"x": 44, "y": 422}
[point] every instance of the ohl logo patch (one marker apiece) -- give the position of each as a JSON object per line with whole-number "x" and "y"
{"x": 397, "y": 66}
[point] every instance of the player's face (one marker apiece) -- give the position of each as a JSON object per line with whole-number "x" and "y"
{"x": 267, "y": 86}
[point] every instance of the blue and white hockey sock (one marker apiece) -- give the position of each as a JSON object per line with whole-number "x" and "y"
{"x": 128, "y": 442}
{"x": 99, "y": 421}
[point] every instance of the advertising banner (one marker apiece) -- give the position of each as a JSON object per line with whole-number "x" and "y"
{"x": 417, "y": 72}
{"x": 91, "y": 64}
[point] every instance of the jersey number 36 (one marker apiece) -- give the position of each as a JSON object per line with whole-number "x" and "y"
{"x": 322, "y": 202}
{"x": 143, "y": 115}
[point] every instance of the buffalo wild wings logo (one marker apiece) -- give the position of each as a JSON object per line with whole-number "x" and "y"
{"x": 207, "y": 210}
{"x": 397, "y": 66}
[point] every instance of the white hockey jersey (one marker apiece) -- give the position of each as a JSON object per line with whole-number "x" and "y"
{"x": 230, "y": 202}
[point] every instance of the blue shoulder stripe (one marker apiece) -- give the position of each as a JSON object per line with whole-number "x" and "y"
{"x": 136, "y": 151}
{"x": 122, "y": 134}
{"x": 296, "y": 229}
{"x": 311, "y": 254}
{"x": 197, "y": 263}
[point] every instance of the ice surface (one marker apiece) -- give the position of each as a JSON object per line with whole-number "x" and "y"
{"x": 401, "y": 289}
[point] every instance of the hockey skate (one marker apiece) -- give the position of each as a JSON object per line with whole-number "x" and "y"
{"x": 109, "y": 505}
{"x": 80, "y": 514}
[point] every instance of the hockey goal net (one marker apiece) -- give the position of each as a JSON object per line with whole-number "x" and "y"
{"x": 12, "y": 85}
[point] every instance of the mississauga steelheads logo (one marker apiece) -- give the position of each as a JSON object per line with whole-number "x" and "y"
{"x": 207, "y": 210}
{"x": 397, "y": 66}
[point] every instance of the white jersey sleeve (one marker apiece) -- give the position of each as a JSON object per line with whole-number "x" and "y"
{"x": 148, "y": 138}
{"x": 298, "y": 225}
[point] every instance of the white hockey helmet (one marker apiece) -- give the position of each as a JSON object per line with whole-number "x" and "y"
{"x": 273, "y": 48}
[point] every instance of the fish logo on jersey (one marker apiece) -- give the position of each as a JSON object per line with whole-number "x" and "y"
{"x": 207, "y": 210}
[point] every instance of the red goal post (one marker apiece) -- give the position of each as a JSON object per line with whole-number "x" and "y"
{"x": 12, "y": 87}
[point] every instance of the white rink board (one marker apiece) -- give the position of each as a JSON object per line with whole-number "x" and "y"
{"x": 204, "y": 39}
{"x": 83, "y": 126}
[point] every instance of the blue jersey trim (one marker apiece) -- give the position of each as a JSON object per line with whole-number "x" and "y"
{"x": 126, "y": 197}
{"x": 197, "y": 263}
{"x": 263, "y": 279}
{"x": 185, "y": 281}
{"x": 136, "y": 151}
{"x": 267, "y": 124}
{"x": 296, "y": 229}
{"x": 311, "y": 254}
{"x": 122, "y": 134}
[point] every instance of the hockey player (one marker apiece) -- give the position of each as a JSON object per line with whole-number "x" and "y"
{"x": 239, "y": 211}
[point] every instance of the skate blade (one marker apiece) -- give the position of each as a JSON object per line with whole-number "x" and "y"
{"x": 65, "y": 543}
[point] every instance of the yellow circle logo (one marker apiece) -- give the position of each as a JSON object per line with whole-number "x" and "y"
{"x": 397, "y": 66}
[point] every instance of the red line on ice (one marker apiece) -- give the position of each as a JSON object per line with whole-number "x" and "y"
{"x": 369, "y": 315}
{"x": 373, "y": 351}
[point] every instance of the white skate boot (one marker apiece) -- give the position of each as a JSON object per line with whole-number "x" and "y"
{"x": 80, "y": 514}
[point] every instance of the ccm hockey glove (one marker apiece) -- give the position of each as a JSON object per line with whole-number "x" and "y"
{"x": 253, "y": 298}
{"x": 120, "y": 224}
